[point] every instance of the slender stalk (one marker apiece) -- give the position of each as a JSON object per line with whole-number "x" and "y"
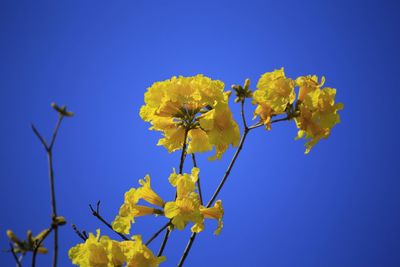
{"x": 39, "y": 243}
{"x": 183, "y": 154}
{"x": 49, "y": 150}
{"x": 198, "y": 179}
{"x": 154, "y": 236}
{"x": 227, "y": 172}
{"x": 274, "y": 121}
{"x": 18, "y": 262}
{"x": 76, "y": 230}
{"x": 96, "y": 213}
{"x": 243, "y": 115}
{"x": 182, "y": 160}
{"x": 225, "y": 177}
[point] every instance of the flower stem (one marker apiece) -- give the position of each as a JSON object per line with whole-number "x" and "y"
{"x": 18, "y": 262}
{"x": 198, "y": 179}
{"x": 154, "y": 236}
{"x": 96, "y": 213}
{"x": 225, "y": 177}
{"x": 182, "y": 160}
{"x": 193, "y": 236}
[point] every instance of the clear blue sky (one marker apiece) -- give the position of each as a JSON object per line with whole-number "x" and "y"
{"x": 337, "y": 206}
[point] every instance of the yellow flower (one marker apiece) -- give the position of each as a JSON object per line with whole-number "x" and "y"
{"x": 146, "y": 192}
{"x": 274, "y": 93}
{"x": 184, "y": 183}
{"x": 99, "y": 251}
{"x": 129, "y": 209}
{"x": 184, "y": 210}
{"x": 90, "y": 253}
{"x": 196, "y": 105}
{"x": 318, "y": 110}
{"x": 187, "y": 208}
{"x": 216, "y": 212}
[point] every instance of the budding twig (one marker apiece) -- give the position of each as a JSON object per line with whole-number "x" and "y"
{"x": 96, "y": 213}
{"x": 76, "y": 230}
{"x": 62, "y": 111}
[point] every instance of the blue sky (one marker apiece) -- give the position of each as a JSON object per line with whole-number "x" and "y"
{"x": 337, "y": 206}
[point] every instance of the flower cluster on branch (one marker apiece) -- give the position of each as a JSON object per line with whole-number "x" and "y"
{"x": 194, "y": 116}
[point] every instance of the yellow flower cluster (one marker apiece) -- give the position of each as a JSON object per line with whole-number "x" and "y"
{"x": 315, "y": 112}
{"x": 101, "y": 251}
{"x": 196, "y": 106}
{"x": 274, "y": 93}
{"x": 184, "y": 209}
{"x": 129, "y": 210}
{"x": 187, "y": 208}
{"x": 318, "y": 110}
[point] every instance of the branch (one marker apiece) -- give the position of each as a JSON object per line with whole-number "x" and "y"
{"x": 96, "y": 213}
{"x": 157, "y": 233}
{"x": 39, "y": 243}
{"x": 274, "y": 121}
{"x": 193, "y": 236}
{"x": 49, "y": 150}
{"x": 15, "y": 256}
{"x": 224, "y": 178}
{"x": 41, "y": 139}
{"x": 182, "y": 160}
{"x": 198, "y": 179}
{"x": 243, "y": 116}
{"x": 81, "y": 235}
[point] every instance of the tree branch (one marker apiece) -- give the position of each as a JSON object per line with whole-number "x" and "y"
{"x": 18, "y": 262}
{"x": 96, "y": 213}
{"x": 78, "y": 232}
{"x": 224, "y": 178}
{"x": 154, "y": 236}
{"x": 39, "y": 243}
{"x": 182, "y": 160}
{"x": 198, "y": 179}
{"x": 49, "y": 150}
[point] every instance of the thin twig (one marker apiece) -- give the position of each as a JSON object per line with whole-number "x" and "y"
{"x": 228, "y": 171}
{"x": 243, "y": 115}
{"x": 182, "y": 160}
{"x": 224, "y": 178}
{"x": 15, "y": 256}
{"x": 78, "y": 232}
{"x": 154, "y": 236}
{"x": 183, "y": 154}
{"x": 49, "y": 150}
{"x": 40, "y": 137}
{"x": 198, "y": 179}
{"x": 193, "y": 236}
{"x": 96, "y": 213}
{"x": 274, "y": 121}
{"x": 39, "y": 243}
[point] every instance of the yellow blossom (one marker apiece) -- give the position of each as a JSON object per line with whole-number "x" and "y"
{"x": 274, "y": 93}
{"x": 194, "y": 105}
{"x": 129, "y": 209}
{"x": 187, "y": 207}
{"x": 184, "y": 210}
{"x": 101, "y": 251}
{"x": 216, "y": 212}
{"x": 318, "y": 110}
